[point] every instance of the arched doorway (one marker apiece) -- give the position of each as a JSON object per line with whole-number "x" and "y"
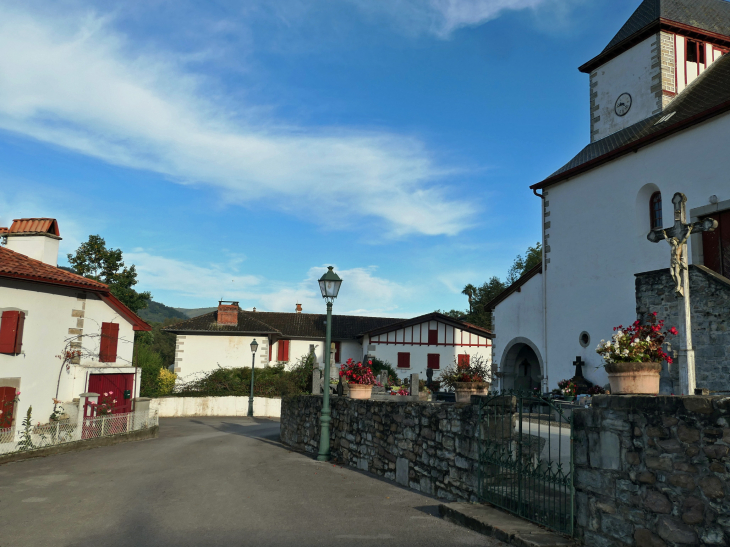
{"x": 521, "y": 366}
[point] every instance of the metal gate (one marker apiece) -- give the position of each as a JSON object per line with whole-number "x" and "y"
{"x": 526, "y": 458}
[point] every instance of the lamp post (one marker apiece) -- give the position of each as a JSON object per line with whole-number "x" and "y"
{"x": 329, "y": 284}
{"x": 254, "y": 347}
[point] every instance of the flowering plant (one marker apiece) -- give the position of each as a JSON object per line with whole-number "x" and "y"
{"x": 596, "y": 390}
{"x": 637, "y": 343}
{"x": 106, "y": 404}
{"x": 357, "y": 373}
{"x": 475, "y": 370}
{"x": 400, "y": 391}
{"x": 567, "y": 387}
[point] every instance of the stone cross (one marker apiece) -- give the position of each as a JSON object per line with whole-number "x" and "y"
{"x": 677, "y": 237}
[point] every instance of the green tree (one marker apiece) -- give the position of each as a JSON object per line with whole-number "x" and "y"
{"x": 523, "y": 264}
{"x": 95, "y": 261}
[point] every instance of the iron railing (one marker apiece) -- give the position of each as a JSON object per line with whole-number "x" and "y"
{"x": 526, "y": 458}
{"x": 21, "y": 439}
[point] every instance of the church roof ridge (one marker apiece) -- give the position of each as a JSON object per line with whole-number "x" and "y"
{"x": 708, "y": 17}
{"x": 706, "y": 97}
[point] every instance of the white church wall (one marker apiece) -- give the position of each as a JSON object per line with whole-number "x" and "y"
{"x": 520, "y": 316}
{"x": 631, "y": 72}
{"x": 599, "y": 222}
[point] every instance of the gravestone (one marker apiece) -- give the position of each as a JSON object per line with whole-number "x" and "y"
{"x": 383, "y": 378}
{"x": 581, "y": 384}
{"x": 414, "y": 385}
{"x": 316, "y": 381}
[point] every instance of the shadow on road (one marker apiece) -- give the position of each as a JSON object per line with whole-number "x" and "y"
{"x": 266, "y": 431}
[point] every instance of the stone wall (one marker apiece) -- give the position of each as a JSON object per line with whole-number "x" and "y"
{"x": 653, "y": 471}
{"x": 430, "y": 447}
{"x": 710, "y": 298}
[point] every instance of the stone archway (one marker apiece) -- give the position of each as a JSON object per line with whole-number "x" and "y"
{"x": 521, "y": 365}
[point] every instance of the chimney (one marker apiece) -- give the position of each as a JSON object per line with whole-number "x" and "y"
{"x": 35, "y": 238}
{"x": 227, "y": 313}
{"x": 299, "y": 308}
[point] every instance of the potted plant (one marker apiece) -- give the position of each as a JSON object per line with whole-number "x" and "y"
{"x": 360, "y": 379}
{"x": 468, "y": 378}
{"x": 633, "y": 357}
{"x": 568, "y": 389}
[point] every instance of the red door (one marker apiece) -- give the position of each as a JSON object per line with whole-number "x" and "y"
{"x": 117, "y": 384}
{"x": 716, "y": 245}
{"x": 7, "y": 405}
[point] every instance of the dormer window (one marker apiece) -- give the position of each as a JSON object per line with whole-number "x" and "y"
{"x": 695, "y": 52}
{"x": 655, "y": 210}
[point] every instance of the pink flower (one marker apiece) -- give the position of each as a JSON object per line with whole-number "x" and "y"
{"x": 106, "y": 394}
{"x": 17, "y": 393}
{"x": 110, "y": 393}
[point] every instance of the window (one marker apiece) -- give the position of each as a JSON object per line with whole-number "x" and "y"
{"x": 337, "y": 352}
{"x": 282, "y": 353}
{"x": 433, "y": 337}
{"x": 434, "y": 361}
{"x": 11, "y": 332}
{"x": 695, "y": 52}
{"x": 404, "y": 360}
{"x": 463, "y": 361}
{"x": 655, "y": 210}
{"x": 109, "y": 341}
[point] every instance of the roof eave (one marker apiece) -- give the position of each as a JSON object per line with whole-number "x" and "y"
{"x": 639, "y": 36}
{"x": 634, "y": 146}
{"x": 428, "y": 317}
{"x": 138, "y": 324}
{"x": 37, "y": 279}
{"x": 515, "y": 287}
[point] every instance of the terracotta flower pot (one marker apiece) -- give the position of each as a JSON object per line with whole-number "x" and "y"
{"x": 464, "y": 390}
{"x": 634, "y": 378}
{"x": 360, "y": 391}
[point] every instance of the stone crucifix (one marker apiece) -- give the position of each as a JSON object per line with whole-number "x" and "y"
{"x": 677, "y": 237}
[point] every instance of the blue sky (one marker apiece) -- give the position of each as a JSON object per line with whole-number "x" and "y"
{"x": 233, "y": 149}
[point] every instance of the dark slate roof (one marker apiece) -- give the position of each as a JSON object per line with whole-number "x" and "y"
{"x": 288, "y": 325}
{"x": 708, "y": 15}
{"x": 707, "y": 96}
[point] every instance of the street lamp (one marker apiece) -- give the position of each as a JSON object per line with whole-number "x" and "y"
{"x": 329, "y": 284}
{"x": 254, "y": 347}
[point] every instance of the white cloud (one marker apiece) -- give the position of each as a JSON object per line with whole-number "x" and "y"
{"x": 73, "y": 82}
{"x": 362, "y": 292}
{"x": 442, "y": 17}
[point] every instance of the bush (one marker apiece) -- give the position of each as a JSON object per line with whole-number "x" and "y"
{"x": 380, "y": 365}
{"x": 273, "y": 381}
{"x": 151, "y": 364}
{"x": 165, "y": 382}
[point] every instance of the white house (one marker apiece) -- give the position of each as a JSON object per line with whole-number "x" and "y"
{"x": 660, "y": 96}
{"x": 222, "y": 339}
{"x": 46, "y": 311}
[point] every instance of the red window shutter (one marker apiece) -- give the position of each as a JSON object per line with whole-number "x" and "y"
{"x": 404, "y": 360}
{"x": 337, "y": 352}
{"x": 109, "y": 342}
{"x": 433, "y": 337}
{"x": 282, "y": 353}
{"x": 269, "y": 351}
{"x": 463, "y": 360}
{"x": 7, "y": 405}
{"x": 11, "y": 332}
{"x": 434, "y": 361}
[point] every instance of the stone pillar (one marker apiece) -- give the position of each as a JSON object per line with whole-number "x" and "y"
{"x": 316, "y": 381}
{"x": 414, "y": 385}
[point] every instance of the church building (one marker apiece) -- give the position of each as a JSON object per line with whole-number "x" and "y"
{"x": 659, "y": 124}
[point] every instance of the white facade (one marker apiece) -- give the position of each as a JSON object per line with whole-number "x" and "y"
{"x": 54, "y": 316}
{"x": 450, "y": 342}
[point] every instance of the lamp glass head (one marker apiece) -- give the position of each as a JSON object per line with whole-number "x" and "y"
{"x": 254, "y": 346}
{"x": 329, "y": 284}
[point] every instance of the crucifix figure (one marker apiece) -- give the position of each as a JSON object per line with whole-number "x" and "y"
{"x": 677, "y": 237}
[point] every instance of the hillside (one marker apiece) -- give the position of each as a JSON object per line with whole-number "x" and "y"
{"x": 157, "y": 313}
{"x": 194, "y": 312}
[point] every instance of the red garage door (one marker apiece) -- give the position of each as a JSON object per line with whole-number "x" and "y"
{"x": 117, "y": 384}
{"x": 7, "y": 405}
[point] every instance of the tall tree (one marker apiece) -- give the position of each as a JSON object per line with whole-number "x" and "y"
{"x": 93, "y": 260}
{"x": 523, "y": 264}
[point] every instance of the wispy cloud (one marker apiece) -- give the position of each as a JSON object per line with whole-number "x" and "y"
{"x": 443, "y": 17}
{"x": 73, "y": 82}
{"x": 363, "y": 291}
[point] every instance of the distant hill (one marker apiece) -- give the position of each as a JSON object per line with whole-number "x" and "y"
{"x": 194, "y": 312}
{"x": 157, "y": 313}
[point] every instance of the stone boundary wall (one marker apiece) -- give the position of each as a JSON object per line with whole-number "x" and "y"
{"x": 653, "y": 471}
{"x": 179, "y": 407}
{"x": 430, "y": 447}
{"x": 710, "y": 295}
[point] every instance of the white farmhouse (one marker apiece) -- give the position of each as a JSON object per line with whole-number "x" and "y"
{"x": 222, "y": 339}
{"x": 45, "y": 311}
{"x": 660, "y": 123}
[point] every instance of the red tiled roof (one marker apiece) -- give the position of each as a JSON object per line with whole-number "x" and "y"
{"x": 35, "y": 225}
{"x": 19, "y": 266}
{"x": 3, "y": 231}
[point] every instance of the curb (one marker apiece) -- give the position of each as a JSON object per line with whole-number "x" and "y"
{"x": 492, "y": 522}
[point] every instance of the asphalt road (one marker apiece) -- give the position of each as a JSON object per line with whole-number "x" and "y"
{"x": 206, "y": 482}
